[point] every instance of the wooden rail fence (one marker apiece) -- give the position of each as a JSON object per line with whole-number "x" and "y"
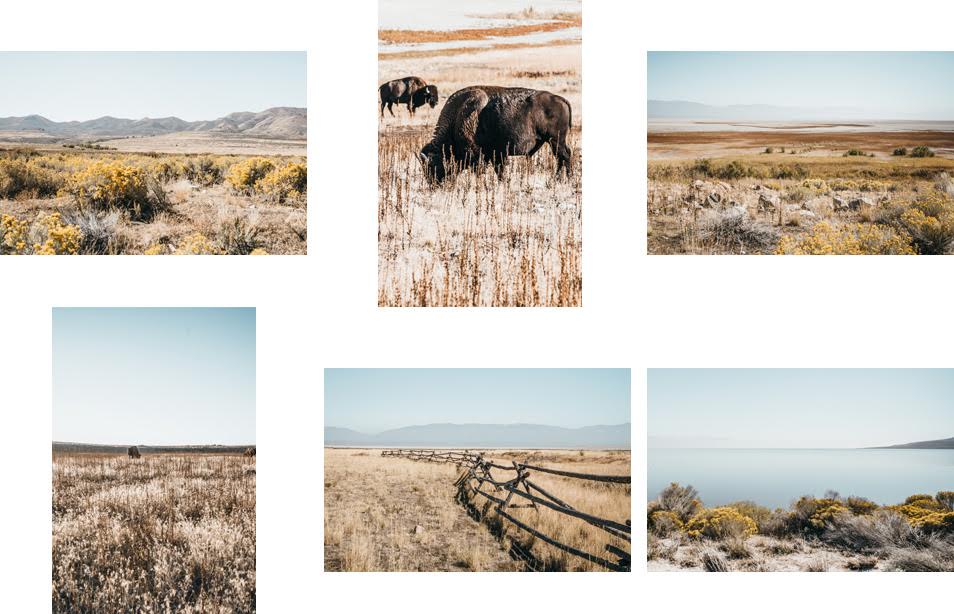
{"x": 476, "y": 475}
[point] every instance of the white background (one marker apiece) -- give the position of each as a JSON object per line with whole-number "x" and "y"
{"x": 320, "y": 311}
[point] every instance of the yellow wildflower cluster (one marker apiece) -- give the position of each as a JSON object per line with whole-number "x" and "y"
{"x": 929, "y": 513}
{"x": 244, "y": 175}
{"x": 13, "y": 235}
{"x": 106, "y": 185}
{"x": 850, "y": 239}
{"x": 60, "y": 238}
{"x": 195, "y": 245}
{"x": 49, "y": 236}
{"x": 288, "y": 183}
{"x": 930, "y": 221}
{"x": 819, "y": 186}
{"x": 720, "y": 522}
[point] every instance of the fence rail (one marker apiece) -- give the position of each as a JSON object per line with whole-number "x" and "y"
{"x": 476, "y": 474}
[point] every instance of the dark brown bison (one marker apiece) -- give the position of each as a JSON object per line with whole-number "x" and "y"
{"x": 249, "y": 451}
{"x": 412, "y": 91}
{"x": 133, "y": 452}
{"x": 489, "y": 124}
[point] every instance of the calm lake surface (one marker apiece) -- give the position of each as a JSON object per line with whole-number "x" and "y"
{"x": 775, "y": 478}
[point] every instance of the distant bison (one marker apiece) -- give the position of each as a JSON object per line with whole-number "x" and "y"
{"x": 411, "y": 91}
{"x": 133, "y": 452}
{"x": 489, "y": 124}
{"x": 249, "y": 451}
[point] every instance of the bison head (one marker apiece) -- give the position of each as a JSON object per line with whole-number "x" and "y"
{"x": 431, "y": 95}
{"x": 433, "y": 160}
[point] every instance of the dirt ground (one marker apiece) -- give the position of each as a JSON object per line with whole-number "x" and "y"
{"x": 765, "y": 554}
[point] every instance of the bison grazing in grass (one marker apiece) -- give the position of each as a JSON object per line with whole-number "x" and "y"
{"x": 489, "y": 124}
{"x": 411, "y": 91}
{"x": 133, "y": 452}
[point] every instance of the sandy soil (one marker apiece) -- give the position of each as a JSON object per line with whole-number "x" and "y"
{"x": 765, "y": 554}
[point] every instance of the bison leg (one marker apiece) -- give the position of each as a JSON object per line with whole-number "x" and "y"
{"x": 563, "y": 155}
{"x": 390, "y": 109}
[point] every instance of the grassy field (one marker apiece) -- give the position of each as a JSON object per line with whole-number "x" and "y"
{"x": 833, "y": 533}
{"x": 395, "y": 514}
{"x": 163, "y": 533}
{"x": 800, "y": 193}
{"x": 92, "y": 199}
{"x": 478, "y": 240}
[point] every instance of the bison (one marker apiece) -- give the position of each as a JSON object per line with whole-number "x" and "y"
{"x": 249, "y": 452}
{"x": 133, "y": 452}
{"x": 489, "y": 124}
{"x": 412, "y": 91}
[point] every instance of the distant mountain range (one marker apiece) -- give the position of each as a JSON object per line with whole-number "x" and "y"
{"x": 935, "y": 444}
{"x": 94, "y": 448}
{"x": 682, "y": 109}
{"x": 616, "y": 436}
{"x": 277, "y": 122}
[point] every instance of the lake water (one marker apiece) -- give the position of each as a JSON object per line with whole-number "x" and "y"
{"x": 775, "y": 478}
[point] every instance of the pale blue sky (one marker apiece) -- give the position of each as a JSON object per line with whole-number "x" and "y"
{"x": 191, "y": 85}
{"x": 799, "y": 408}
{"x": 884, "y": 84}
{"x": 154, "y": 376}
{"x": 374, "y": 400}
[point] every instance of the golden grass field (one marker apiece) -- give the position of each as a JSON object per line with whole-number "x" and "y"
{"x": 477, "y": 240}
{"x": 76, "y": 199}
{"x": 164, "y": 533}
{"x": 374, "y": 506}
{"x": 788, "y": 192}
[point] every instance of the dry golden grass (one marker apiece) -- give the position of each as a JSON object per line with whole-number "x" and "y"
{"x": 812, "y": 186}
{"x": 374, "y": 503}
{"x": 164, "y": 533}
{"x": 477, "y": 240}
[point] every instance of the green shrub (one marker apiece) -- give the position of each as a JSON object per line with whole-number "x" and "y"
{"x": 854, "y": 152}
{"x": 790, "y": 171}
{"x": 682, "y": 500}
{"x": 946, "y": 499}
{"x": 922, "y": 151}
{"x": 900, "y": 151}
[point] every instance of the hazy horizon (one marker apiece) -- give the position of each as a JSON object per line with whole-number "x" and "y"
{"x": 154, "y": 376}
{"x": 798, "y": 408}
{"x": 472, "y": 424}
{"x": 190, "y": 85}
{"x": 871, "y": 85}
{"x": 376, "y": 400}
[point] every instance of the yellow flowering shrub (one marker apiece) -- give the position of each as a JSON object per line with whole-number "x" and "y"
{"x": 168, "y": 169}
{"x": 48, "y": 235}
{"x": 59, "y": 238}
{"x": 826, "y": 511}
{"x": 244, "y": 175}
{"x": 13, "y": 235}
{"x": 110, "y": 185}
{"x": 930, "y": 222}
{"x": 196, "y": 244}
{"x": 206, "y": 170}
{"x": 288, "y": 183}
{"x": 27, "y": 179}
{"x": 850, "y": 239}
{"x": 157, "y": 249}
{"x": 937, "y": 522}
{"x": 664, "y": 522}
{"x": 720, "y": 523}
